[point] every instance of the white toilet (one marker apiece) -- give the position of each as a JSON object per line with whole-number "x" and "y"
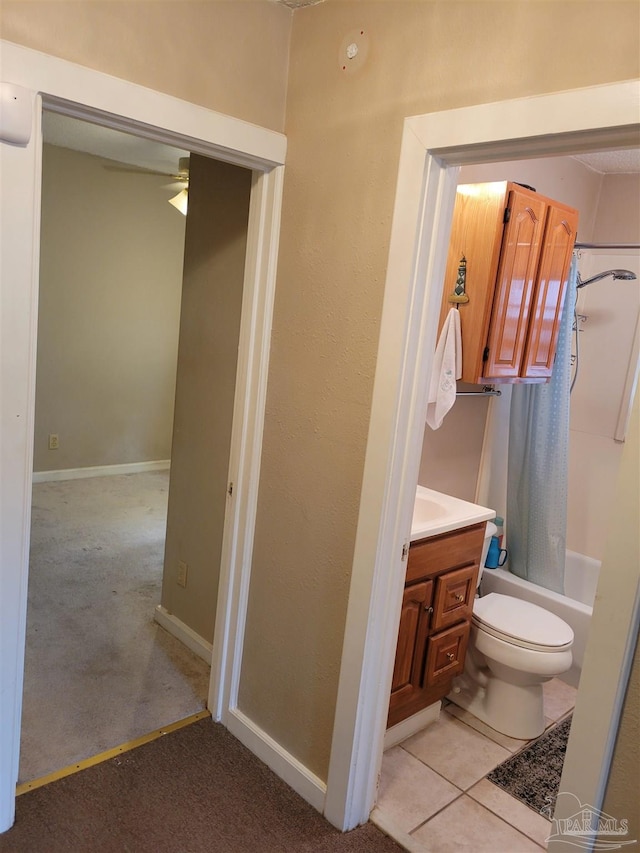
{"x": 514, "y": 647}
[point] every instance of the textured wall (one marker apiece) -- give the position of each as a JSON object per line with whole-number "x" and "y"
{"x": 344, "y": 130}
{"x": 214, "y": 255}
{"x": 228, "y": 56}
{"x": 110, "y": 282}
{"x": 621, "y": 796}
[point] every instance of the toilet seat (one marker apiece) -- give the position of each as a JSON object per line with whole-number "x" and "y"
{"x": 521, "y": 623}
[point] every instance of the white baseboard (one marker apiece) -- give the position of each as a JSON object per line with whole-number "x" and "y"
{"x": 184, "y": 633}
{"x": 405, "y": 728}
{"x": 100, "y": 471}
{"x": 289, "y": 769}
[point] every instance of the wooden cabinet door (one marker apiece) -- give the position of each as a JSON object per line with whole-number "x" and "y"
{"x": 412, "y": 641}
{"x": 520, "y": 253}
{"x": 546, "y": 309}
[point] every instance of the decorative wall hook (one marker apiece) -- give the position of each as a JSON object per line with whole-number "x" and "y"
{"x": 459, "y": 296}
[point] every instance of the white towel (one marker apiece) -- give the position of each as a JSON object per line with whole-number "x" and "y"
{"x": 447, "y": 367}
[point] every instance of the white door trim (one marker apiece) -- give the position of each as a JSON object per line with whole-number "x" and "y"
{"x": 432, "y": 146}
{"x": 81, "y": 92}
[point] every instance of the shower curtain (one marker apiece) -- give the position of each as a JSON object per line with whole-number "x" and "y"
{"x": 538, "y": 465}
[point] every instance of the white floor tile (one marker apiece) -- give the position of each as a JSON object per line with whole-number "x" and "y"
{"x": 456, "y": 751}
{"x": 534, "y": 826}
{"x": 410, "y": 792}
{"x": 467, "y": 827}
{"x": 559, "y": 698}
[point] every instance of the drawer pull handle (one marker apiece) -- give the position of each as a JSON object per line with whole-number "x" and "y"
{"x": 459, "y": 596}
{"x": 450, "y": 655}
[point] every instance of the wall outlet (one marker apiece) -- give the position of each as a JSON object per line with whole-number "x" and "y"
{"x": 53, "y": 441}
{"x": 182, "y": 573}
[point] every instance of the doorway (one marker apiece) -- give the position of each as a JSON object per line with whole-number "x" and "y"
{"x": 448, "y": 464}
{"x": 433, "y": 147}
{"x": 118, "y": 104}
{"x": 116, "y": 329}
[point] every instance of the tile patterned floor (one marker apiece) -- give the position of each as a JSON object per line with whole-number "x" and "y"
{"x": 433, "y": 797}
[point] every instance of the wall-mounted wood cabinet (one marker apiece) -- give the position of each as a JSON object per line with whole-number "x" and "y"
{"x": 516, "y": 246}
{"x": 435, "y": 621}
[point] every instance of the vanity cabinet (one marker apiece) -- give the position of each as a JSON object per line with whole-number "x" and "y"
{"x": 512, "y": 246}
{"x": 435, "y": 620}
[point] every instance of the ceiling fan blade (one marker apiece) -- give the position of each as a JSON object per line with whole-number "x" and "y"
{"x": 177, "y": 185}
{"x": 139, "y": 170}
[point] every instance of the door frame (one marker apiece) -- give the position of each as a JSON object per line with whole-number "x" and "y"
{"x": 433, "y": 147}
{"x": 80, "y": 92}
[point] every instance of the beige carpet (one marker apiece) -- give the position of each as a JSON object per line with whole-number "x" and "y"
{"x": 99, "y": 671}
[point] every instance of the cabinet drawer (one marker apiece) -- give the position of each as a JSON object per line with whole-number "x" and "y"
{"x": 445, "y": 653}
{"x": 448, "y": 551}
{"x": 455, "y": 592}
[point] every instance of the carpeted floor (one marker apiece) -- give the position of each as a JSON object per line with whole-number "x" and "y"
{"x": 196, "y": 790}
{"x": 99, "y": 671}
{"x": 533, "y": 774}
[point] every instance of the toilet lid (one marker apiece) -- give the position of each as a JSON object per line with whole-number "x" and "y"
{"x": 521, "y": 623}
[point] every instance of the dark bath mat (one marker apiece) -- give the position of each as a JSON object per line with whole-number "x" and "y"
{"x": 533, "y": 774}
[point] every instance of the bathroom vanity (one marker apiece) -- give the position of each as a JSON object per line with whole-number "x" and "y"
{"x": 440, "y": 584}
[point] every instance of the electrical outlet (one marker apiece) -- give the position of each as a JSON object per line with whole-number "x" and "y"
{"x": 53, "y": 441}
{"x": 182, "y": 573}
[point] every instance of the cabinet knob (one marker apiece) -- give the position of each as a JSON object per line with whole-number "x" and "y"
{"x": 428, "y": 608}
{"x": 459, "y": 597}
{"x": 450, "y": 656}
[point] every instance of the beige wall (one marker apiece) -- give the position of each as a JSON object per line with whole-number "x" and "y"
{"x": 110, "y": 281}
{"x": 621, "y": 796}
{"x": 618, "y": 219}
{"x": 451, "y": 455}
{"x": 344, "y": 130}
{"x": 227, "y": 55}
{"x": 214, "y": 257}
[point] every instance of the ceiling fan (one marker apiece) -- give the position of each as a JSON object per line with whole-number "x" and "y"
{"x": 181, "y": 200}
{"x": 180, "y": 181}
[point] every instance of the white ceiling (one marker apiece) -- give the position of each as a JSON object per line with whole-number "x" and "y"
{"x": 125, "y": 148}
{"x": 608, "y": 162}
{"x": 112, "y": 144}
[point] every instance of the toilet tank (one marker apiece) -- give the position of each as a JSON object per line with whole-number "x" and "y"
{"x": 491, "y": 530}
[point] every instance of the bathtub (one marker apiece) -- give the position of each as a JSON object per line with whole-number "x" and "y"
{"x": 575, "y": 607}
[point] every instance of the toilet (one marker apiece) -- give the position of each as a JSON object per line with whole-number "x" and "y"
{"x": 514, "y": 647}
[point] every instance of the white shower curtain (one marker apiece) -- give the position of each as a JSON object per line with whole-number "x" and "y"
{"x": 538, "y": 466}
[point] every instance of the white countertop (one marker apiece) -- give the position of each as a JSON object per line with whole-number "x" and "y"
{"x": 435, "y": 512}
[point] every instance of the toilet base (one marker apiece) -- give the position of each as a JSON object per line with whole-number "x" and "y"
{"x": 512, "y": 709}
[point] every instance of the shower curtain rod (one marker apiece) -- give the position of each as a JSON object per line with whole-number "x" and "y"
{"x": 606, "y": 246}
